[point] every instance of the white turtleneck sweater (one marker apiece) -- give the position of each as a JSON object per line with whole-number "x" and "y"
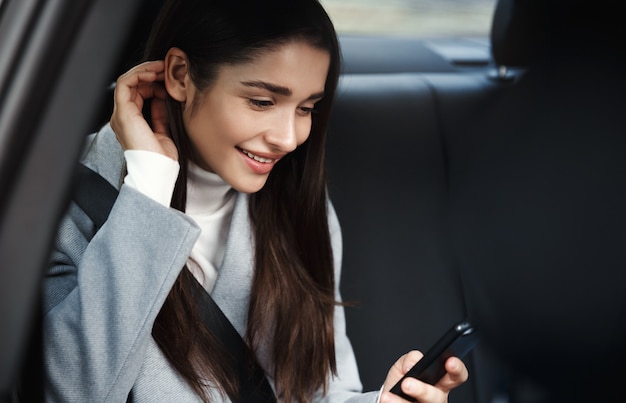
{"x": 210, "y": 203}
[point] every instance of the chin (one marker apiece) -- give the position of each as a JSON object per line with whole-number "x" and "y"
{"x": 249, "y": 187}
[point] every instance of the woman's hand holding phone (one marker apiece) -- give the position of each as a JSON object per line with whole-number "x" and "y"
{"x": 456, "y": 374}
{"x": 431, "y": 377}
{"x": 132, "y": 90}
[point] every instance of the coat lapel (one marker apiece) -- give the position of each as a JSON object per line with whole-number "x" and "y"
{"x": 232, "y": 287}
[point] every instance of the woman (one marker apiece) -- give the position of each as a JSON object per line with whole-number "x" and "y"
{"x": 222, "y": 185}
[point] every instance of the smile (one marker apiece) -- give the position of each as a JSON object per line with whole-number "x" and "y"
{"x": 257, "y": 158}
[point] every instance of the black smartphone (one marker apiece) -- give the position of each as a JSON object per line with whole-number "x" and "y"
{"x": 457, "y": 342}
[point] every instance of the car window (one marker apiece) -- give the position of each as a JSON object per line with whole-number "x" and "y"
{"x": 55, "y": 58}
{"x": 424, "y": 18}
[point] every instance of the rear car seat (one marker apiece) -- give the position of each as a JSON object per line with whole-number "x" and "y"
{"x": 538, "y": 203}
{"x": 388, "y": 178}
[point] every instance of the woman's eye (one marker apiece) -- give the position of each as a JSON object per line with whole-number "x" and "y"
{"x": 306, "y": 110}
{"x": 260, "y": 103}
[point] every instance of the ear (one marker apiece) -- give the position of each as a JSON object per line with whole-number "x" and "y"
{"x": 177, "y": 81}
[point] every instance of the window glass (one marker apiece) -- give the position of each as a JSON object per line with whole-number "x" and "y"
{"x": 425, "y": 18}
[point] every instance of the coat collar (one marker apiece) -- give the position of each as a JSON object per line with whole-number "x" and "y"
{"x": 234, "y": 280}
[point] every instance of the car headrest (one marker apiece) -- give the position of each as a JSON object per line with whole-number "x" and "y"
{"x": 524, "y": 31}
{"x": 513, "y": 39}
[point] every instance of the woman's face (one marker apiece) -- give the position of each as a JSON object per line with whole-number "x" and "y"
{"x": 256, "y": 113}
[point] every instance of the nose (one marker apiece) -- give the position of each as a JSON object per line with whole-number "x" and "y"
{"x": 284, "y": 132}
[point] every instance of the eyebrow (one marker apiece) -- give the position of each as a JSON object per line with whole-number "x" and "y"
{"x": 278, "y": 89}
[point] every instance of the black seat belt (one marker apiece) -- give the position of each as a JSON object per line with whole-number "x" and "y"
{"x": 95, "y": 196}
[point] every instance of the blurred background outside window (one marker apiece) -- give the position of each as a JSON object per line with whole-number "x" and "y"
{"x": 416, "y": 18}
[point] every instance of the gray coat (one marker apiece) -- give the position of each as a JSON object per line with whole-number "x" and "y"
{"x": 104, "y": 290}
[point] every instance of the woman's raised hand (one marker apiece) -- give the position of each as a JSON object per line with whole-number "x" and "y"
{"x": 423, "y": 392}
{"x": 132, "y": 89}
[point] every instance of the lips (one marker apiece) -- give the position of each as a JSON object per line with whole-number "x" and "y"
{"x": 260, "y": 165}
{"x": 257, "y": 158}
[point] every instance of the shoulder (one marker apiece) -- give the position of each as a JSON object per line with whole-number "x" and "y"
{"x": 104, "y": 154}
{"x": 333, "y": 220}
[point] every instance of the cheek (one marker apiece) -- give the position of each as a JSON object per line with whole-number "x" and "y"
{"x": 304, "y": 131}
{"x": 212, "y": 130}
{"x": 201, "y": 139}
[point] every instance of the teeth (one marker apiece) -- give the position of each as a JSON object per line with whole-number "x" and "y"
{"x": 257, "y": 158}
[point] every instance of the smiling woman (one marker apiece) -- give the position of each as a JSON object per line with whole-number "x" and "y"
{"x": 220, "y": 203}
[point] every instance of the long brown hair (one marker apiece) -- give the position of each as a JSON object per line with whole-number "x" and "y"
{"x": 292, "y": 299}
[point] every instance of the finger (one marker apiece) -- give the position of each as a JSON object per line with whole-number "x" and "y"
{"x": 457, "y": 373}
{"x": 146, "y": 84}
{"x": 410, "y": 359}
{"x": 148, "y": 72}
{"x": 157, "y": 66}
{"x": 159, "y": 117}
{"x": 134, "y": 77}
{"x": 388, "y": 397}
{"x": 422, "y": 391}
{"x": 129, "y": 100}
{"x": 150, "y": 90}
{"x": 400, "y": 368}
{"x": 159, "y": 91}
{"x": 126, "y": 86}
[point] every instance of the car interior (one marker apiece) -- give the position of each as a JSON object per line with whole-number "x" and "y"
{"x": 473, "y": 179}
{"x": 449, "y": 171}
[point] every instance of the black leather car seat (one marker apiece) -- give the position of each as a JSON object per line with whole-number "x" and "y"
{"x": 387, "y": 160}
{"x": 538, "y": 199}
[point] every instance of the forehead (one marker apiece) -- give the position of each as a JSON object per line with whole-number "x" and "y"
{"x": 295, "y": 65}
